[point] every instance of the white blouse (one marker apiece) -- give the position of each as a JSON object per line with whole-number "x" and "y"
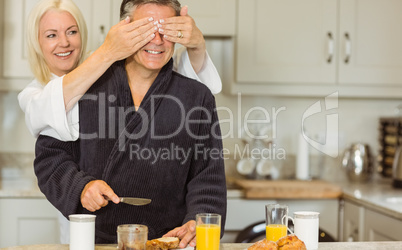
{"x": 45, "y": 112}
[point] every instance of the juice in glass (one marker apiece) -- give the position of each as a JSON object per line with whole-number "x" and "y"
{"x": 208, "y": 236}
{"x": 275, "y": 231}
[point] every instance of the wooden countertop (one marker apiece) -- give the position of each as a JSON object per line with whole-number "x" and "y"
{"x": 233, "y": 246}
{"x": 288, "y": 189}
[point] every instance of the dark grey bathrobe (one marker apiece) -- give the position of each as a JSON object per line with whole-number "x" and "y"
{"x": 170, "y": 151}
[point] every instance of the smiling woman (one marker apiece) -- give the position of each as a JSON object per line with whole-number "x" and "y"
{"x": 60, "y": 41}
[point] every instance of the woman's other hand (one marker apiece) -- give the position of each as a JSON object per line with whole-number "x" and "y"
{"x": 182, "y": 29}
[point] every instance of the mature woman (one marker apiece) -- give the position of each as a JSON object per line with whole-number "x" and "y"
{"x": 57, "y": 36}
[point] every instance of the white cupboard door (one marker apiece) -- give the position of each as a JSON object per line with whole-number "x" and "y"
{"x": 380, "y": 227}
{"x": 15, "y": 60}
{"x": 98, "y": 16}
{"x": 353, "y": 222}
{"x": 287, "y": 41}
{"x": 213, "y": 17}
{"x": 370, "y": 42}
{"x": 28, "y": 221}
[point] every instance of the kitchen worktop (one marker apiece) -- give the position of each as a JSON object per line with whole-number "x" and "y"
{"x": 233, "y": 246}
{"x": 289, "y": 189}
{"x": 20, "y": 189}
{"x": 378, "y": 195}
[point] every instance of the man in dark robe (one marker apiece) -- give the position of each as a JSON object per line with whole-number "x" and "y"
{"x": 145, "y": 131}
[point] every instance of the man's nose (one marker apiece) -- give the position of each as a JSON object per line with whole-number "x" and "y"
{"x": 158, "y": 39}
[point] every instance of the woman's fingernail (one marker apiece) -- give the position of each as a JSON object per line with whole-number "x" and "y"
{"x": 156, "y": 23}
{"x": 153, "y": 35}
{"x": 161, "y": 20}
{"x": 155, "y": 28}
{"x": 161, "y": 30}
{"x": 151, "y": 19}
{"x": 159, "y": 25}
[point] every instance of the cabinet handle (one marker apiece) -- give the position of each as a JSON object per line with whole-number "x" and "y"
{"x": 348, "y": 48}
{"x": 101, "y": 35}
{"x": 330, "y": 47}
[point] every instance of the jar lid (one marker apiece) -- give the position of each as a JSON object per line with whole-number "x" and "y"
{"x": 306, "y": 215}
{"x": 132, "y": 228}
{"x": 82, "y": 217}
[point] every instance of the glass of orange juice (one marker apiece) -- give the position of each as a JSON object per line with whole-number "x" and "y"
{"x": 276, "y": 221}
{"x": 208, "y": 231}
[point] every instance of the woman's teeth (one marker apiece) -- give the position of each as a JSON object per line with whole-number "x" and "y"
{"x": 153, "y": 52}
{"x": 64, "y": 54}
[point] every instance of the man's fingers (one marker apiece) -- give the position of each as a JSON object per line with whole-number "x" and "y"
{"x": 186, "y": 240}
{"x": 193, "y": 242}
{"x": 172, "y": 233}
{"x": 108, "y": 191}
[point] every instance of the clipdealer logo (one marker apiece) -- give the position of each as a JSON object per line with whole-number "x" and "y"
{"x": 330, "y": 147}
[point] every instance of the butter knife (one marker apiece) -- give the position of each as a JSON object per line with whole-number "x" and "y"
{"x": 135, "y": 201}
{"x": 132, "y": 201}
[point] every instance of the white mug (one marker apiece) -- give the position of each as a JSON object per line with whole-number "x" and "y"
{"x": 306, "y": 225}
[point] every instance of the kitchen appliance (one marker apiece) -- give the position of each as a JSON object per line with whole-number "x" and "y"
{"x": 389, "y": 140}
{"x": 358, "y": 162}
{"x": 397, "y": 169}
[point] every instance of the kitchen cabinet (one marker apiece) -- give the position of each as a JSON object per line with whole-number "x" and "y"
{"x": 380, "y": 227}
{"x": 213, "y": 17}
{"x": 26, "y": 221}
{"x": 361, "y": 223}
{"x": 314, "y": 47}
{"x": 100, "y": 15}
{"x": 353, "y": 222}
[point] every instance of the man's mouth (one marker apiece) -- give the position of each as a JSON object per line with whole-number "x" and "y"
{"x": 64, "y": 54}
{"x": 153, "y": 52}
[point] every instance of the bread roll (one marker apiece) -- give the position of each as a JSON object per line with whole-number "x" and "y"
{"x": 264, "y": 244}
{"x": 291, "y": 242}
{"x": 163, "y": 243}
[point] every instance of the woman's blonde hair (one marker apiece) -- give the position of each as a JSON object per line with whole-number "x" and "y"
{"x": 36, "y": 59}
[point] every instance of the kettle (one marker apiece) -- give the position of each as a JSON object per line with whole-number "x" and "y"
{"x": 358, "y": 162}
{"x": 397, "y": 168}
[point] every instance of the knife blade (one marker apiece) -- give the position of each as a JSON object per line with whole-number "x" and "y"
{"x": 135, "y": 201}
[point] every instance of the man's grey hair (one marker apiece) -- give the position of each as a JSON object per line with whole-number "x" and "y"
{"x": 127, "y": 6}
